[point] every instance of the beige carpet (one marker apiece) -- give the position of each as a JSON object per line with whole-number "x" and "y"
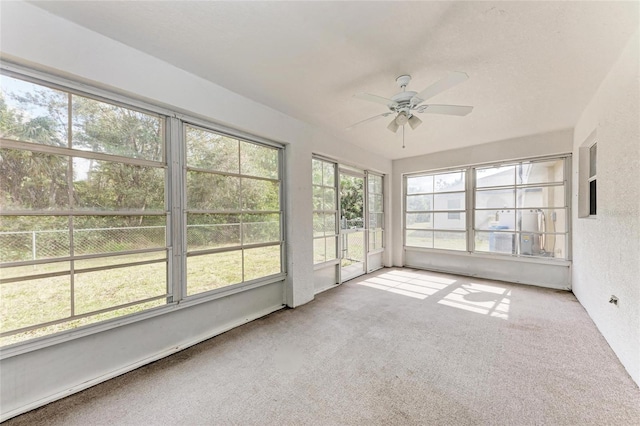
{"x": 398, "y": 347}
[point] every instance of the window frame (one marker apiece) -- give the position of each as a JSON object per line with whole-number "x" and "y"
{"x": 592, "y": 180}
{"x": 335, "y": 211}
{"x": 470, "y": 209}
{"x": 174, "y": 159}
{"x": 433, "y": 211}
{"x": 71, "y": 214}
{"x": 518, "y": 233}
{"x": 242, "y": 246}
{"x": 369, "y": 211}
{"x": 583, "y": 163}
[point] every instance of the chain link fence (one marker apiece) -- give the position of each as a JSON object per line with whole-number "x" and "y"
{"x": 35, "y": 245}
{"x": 353, "y": 247}
{"x": 357, "y": 223}
{"x": 200, "y": 237}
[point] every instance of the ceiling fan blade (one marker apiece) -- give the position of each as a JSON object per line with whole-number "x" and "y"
{"x": 446, "y": 109}
{"x": 375, "y": 117}
{"x": 375, "y": 98}
{"x": 440, "y": 86}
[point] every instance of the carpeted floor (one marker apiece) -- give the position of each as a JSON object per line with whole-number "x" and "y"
{"x": 397, "y": 347}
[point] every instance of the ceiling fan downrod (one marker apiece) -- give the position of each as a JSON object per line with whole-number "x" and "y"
{"x": 403, "y": 81}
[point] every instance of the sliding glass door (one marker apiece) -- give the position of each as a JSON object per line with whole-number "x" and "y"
{"x": 348, "y": 217}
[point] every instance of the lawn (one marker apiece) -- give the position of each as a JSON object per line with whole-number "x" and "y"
{"x": 31, "y": 302}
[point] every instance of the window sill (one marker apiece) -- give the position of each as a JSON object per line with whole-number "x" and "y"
{"x": 326, "y": 264}
{"x": 504, "y": 257}
{"x": 76, "y": 333}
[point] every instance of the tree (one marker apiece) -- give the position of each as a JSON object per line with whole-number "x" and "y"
{"x": 40, "y": 181}
{"x": 31, "y": 180}
{"x": 352, "y": 197}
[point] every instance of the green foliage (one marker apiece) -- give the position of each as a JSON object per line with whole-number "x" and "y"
{"x": 41, "y": 116}
{"x": 211, "y": 151}
{"x": 352, "y": 197}
{"x": 215, "y": 155}
{"x": 102, "y": 127}
{"x": 38, "y": 181}
{"x": 32, "y": 180}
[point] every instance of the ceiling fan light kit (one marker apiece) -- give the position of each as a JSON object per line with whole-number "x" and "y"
{"x": 401, "y": 119}
{"x": 406, "y": 103}
{"x": 393, "y": 126}
{"x": 414, "y": 122}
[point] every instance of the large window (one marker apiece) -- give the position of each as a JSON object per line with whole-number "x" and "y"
{"x": 233, "y": 210}
{"x": 85, "y": 194}
{"x": 83, "y": 212}
{"x": 518, "y": 209}
{"x": 435, "y": 206}
{"x": 325, "y": 211}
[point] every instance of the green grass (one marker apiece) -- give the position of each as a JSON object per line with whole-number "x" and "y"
{"x": 32, "y": 302}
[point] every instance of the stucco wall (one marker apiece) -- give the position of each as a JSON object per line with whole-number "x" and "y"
{"x": 607, "y": 248}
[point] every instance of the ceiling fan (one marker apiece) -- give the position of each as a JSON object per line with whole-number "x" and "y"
{"x": 407, "y": 103}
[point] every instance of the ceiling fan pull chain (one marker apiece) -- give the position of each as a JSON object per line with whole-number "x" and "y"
{"x": 403, "y": 137}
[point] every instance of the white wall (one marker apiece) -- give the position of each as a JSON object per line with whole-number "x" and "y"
{"x": 43, "y": 41}
{"x": 556, "y": 275}
{"x": 606, "y": 249}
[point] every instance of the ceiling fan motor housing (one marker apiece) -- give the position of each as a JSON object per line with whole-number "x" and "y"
{"x": 404, "y": 97}
{"x": 403, "y": 103}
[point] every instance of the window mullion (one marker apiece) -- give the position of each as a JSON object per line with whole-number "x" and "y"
{"x": 177, "y": 220}
{"x": 282, "y": 200}
{"x": 336, "y": 186}
{"x": 72, "y": 309}
{"x": 470, "y": 200}
{"x": 365, "y": 225}
{"x": 516, "y": 209}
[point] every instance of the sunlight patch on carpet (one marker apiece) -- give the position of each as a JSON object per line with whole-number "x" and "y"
{"x": 491, "y": 300}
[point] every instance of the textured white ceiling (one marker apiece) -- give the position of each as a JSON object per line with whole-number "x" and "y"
{"x": 533, "y": 66}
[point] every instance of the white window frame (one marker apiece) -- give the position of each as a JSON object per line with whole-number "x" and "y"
{"x": 368, "y": 212}
{"x": 585, "y": 178}
{"x": 175, "y": 192}
{"x": 242, "y": 246}
{"x": 433, "y": 211}
{"x": 524, "y": 186}
{"x": 335, "y": 212}
{"x": 593, "y": 179}
{"x": 470, "y": 190}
